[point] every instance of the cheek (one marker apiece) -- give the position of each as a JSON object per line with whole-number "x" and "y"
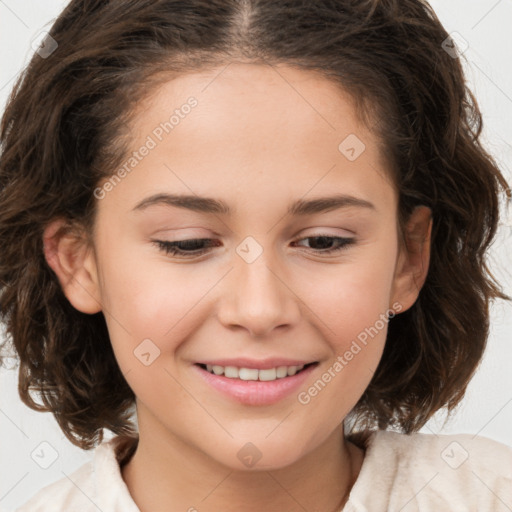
{"x": 140, "y": 301}
{"x": 144, "y": 293}
{"x": 359, "y": 328}
{"x": 354, "y": 309}
{"x": 142, "y": 308}
{"x": 354, "y": 326}
{"x": 353, "y": 296}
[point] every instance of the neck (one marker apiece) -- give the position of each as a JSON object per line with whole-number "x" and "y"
{"x": 166, "y": 473}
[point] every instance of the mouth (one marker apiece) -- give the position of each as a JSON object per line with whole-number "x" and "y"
{"x": 255, "y": 374}
{"x": 255, "y": 386}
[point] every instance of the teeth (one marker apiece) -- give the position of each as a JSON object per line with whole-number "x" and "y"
{"x": 270, "y": 374}
{"x": 218, "y": 370}
{"x": 281, "y": 371}
{"x": 245, "y": 374}
{"x": 232, "y": 372}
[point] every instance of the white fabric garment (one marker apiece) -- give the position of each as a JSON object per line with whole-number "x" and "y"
{"x": 400, "y": 473}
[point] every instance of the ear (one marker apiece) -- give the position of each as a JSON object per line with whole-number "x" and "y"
{"x": 413, "y": 259}
{"x": 67, "y": 253}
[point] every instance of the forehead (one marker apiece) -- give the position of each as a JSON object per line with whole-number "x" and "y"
{"x": 253, "y": 129}
{"x": 262, "y": 98}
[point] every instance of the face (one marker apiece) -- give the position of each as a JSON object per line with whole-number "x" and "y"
{"x": 295, "y": 261}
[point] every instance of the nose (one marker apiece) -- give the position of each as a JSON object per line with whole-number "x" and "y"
{"x": 256, "y": 297}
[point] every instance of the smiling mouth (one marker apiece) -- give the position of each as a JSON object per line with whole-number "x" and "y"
{"x": 254, "y": 374}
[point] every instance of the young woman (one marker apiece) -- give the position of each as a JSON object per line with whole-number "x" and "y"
{"x": 265, "y": 225}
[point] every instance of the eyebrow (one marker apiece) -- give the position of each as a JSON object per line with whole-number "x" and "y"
{"x": 217, "y": 206}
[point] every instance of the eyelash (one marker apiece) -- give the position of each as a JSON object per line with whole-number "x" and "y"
{"x": 171, "y": 248}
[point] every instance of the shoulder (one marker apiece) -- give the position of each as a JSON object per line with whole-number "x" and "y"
{"x": 433, "y": 472}
{"x": 68, "y": 492}
{"x": 459, "y": 451}
{"x": 96, "y": 485}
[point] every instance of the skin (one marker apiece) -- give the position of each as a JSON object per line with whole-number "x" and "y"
{"x": 259, "y": 138}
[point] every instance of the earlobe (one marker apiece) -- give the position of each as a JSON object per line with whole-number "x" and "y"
{"x": 69, "y": 256}
{"x": 414, "y": 258}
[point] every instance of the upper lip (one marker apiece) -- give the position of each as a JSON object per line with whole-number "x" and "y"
{"x": 263, "y": 364}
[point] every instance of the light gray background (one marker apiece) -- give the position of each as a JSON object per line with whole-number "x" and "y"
{"x": 487, "y": 408}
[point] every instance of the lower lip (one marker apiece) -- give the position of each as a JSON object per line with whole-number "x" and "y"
{"x": 255, "y": 392}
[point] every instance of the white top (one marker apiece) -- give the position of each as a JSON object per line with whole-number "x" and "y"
{"x": 418, "y": 472}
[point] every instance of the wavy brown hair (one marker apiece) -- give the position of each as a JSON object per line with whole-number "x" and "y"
{"x": 64, "y": 130}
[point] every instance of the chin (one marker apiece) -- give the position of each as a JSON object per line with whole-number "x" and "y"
{"x": 262, "y": 455}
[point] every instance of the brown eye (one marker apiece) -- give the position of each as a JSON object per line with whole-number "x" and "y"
{"x": 325, "y": 242}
